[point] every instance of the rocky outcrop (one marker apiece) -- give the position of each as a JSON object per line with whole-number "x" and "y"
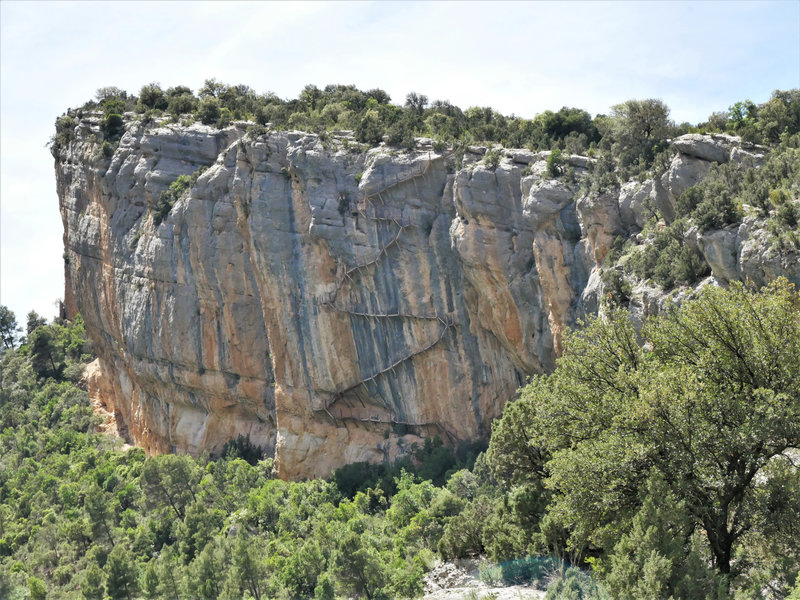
{"x": 331, "y": 302}
{"x": 696, "y": 153}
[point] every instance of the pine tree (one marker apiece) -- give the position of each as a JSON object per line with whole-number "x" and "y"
{"x": 121, "y": 569}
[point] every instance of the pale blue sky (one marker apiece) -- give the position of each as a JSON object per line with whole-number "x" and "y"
{"x": 520, "y": 58}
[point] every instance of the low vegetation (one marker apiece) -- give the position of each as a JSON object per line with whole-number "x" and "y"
{"x": 663, "y": 470}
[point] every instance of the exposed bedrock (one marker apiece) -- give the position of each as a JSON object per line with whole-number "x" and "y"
{"x": 331, "y": 303}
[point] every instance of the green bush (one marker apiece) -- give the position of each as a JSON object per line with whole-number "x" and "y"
{"x": 492, "y": 158}
{"x": 181, "y": 104}
{"x": 716, "y": 211}
{"x": 152, "y": 96}
{"x": 688, "y": 201}
{"x": 615, "y": 287}
{"x": 575, "y": 584}
{"x": 113, "y": 127}
{"x": 490, "y": 574}
{"x": 528, "y": 570}
{"x": 225, "y": 118}
{"x": 667, "y": 259}
{"x": 208, "y": 111}
{"x": 555, "y": 163}
{"x": 177, "y": 190}
{"x": 65, "y": 128}
{"x": 787, "y": 215}
{"x": 370, "y": 129}
{"x": 65, "y": 133}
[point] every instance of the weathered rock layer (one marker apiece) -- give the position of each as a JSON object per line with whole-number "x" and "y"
{"x": 334, "y": 303}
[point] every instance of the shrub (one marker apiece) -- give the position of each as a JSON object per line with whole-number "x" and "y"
{"x": 65, "y": 128}
{"x": 181, "y": 104}
{"x": 152, "y": 96}
{"x": 787, "y": 215}
{"x": 554, "y": 163}
{"x": 577, "y": 585}
{"x": 225, "y": 118}
{"x": 178, "y": 189}
{"x": 113, "y": 127}
{"x": 370, "y": 129}
{"x": 65, "y": 133}
{"x": 716, "y": 211}
{"x": 688, "y": 201}
{"x": 462, "y": 535}
{"x": 667, "y": 259}
{"x": 492, "y": 158}
{"x": 527, "y": 570}
{"x": 408, "y": 141}
{"x": 490, "y": 574}
{"x": 615, "y": 287}
{"x": 209, "y": 110}
{"x": 256, "y": 130}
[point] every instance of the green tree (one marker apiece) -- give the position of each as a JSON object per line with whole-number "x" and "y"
{"x": 170, "y": 574}
{"x": 97, "y": 507}
{"x": 93, "y": 583}
{"x": 37, "y": 589}
{"x": 248, "y": 570}
{"x": 325, "y": 590}
{"x": 113, "y": 127}
{"x": 656, "y": 559}
{"x": 109, "y": 92}
{"x": 358, "y": 566}
{"x": 181, "y": 103}
{"x": 152, "y": 96}
{"x": 209, "y": 110}
{"x": 369, "y": 128}
{"x": 47, "y": 356}
{"x": 149, "y": 581}
{"x": 713, "y": 400}
{"x": 205, "y": 577}
{"x": 212, "y": 89}
{"x": 8, "y": 327}
{"x": 303, "y": 568}
{"x": 33, "y": 322}
{"x": 170, "y": 480}
{"x": 795, "y": 593}
{"x": 416, "y": 102}
{"x": 637, "y": 126}
{"x": 198, "y": 528}
{"x": 555, "y": 163}
{"x": 122, "y": 574}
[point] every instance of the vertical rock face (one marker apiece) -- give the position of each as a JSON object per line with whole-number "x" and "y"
{"x": 329, "y": 302}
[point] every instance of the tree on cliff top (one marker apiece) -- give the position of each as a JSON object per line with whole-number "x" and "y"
{"x": 710, "y": 404}
{"x": 636, "y": 128}
{"x": 9, "y": 328}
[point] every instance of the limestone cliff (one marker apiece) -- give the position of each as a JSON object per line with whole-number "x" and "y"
{"x": 337, "y": 303}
